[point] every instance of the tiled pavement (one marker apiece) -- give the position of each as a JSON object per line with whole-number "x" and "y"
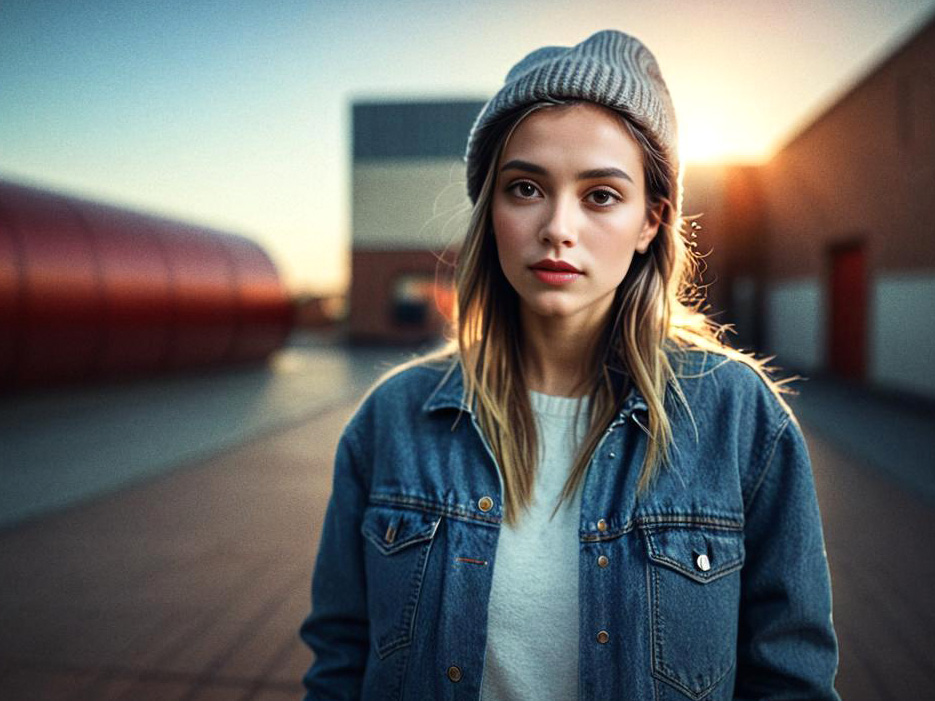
{"x": 192, "y": 585}
{"x": 880, "y": 541}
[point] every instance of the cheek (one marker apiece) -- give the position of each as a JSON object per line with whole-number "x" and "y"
{"x": 617, "y": 249}
{"x": 507, "y": 236}
{"x": 625, "y": 260}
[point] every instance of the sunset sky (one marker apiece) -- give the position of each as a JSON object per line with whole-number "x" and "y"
{"x": 234, "y": 113}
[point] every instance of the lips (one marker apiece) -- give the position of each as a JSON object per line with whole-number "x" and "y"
{"x": 555, "y": 272}
{"x": 555, "y": 266}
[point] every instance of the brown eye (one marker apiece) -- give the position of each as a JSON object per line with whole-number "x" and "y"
{"x": 603, "y": 198}
{"x": 524, "y": 190}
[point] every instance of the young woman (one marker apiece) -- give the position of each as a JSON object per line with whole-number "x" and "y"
{"x": 587, "y": 496}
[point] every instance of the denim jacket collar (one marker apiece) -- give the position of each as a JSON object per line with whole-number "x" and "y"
{"x": 450, "y": 394}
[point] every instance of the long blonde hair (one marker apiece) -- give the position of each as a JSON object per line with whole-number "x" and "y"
{"x": 656, "y": 308}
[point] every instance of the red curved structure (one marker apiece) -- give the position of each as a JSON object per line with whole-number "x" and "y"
{"x": 89, "y": 291}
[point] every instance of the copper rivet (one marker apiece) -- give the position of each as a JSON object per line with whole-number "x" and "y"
{"x": 485, "y": 504}
{"x": 603, "y": 636}
{"x": 454, "y": 673}
{"x": 602, "y": 561}
{"x": 602, "y": 525}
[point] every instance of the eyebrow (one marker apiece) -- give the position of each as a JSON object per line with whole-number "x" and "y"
{"x": 528, "y": 167}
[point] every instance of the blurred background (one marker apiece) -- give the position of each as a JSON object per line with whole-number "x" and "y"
{"x": 221, "y": 221}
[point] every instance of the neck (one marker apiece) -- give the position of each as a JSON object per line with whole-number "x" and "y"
{"x": 557, "y": 354}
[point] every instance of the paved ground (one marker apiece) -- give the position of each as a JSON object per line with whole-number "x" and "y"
{"x": 191, "y": 584}
{"x": 879, "y": 540}
{"x": 66, "y": 445}
{"x": 889, "y": 432}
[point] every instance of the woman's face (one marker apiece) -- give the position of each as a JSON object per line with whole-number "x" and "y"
{"x": 569, "y": 211}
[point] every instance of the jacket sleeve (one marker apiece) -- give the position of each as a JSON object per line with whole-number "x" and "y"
{"x": 337, "y": 629}
{"x": 786, "y": 648}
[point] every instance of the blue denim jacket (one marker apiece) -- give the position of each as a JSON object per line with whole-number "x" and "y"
{"x": 717, "y": 585}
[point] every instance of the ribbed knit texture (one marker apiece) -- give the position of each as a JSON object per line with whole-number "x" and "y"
{"x": 532, "y": 627}
{"x": 610, "y": 68}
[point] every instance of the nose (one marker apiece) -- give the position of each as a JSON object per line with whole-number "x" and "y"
{"x": 559, "y": 230}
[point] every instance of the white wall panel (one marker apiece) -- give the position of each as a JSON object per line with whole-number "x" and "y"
{"x": 409, "y": 204}
{"x": 796, "y": 323}
{"x": 902, "y": 332}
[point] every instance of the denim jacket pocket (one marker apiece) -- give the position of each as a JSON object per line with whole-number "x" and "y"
{"x": 693, "y": 584}
{"x": 397, "y": 547}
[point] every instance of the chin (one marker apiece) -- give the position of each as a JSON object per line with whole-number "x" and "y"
{"x": 551, "y": 307}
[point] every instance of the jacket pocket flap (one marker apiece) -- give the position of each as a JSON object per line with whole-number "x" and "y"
{"x": 701, "y": 554}
{"x": 392, "y": 530}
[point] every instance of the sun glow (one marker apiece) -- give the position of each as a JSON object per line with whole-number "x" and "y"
{"x": 707, "y": 139}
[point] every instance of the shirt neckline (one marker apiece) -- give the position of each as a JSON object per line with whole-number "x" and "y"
{"x": 554, "y": 405}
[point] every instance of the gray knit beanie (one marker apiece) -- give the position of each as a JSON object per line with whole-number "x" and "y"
{"x": 610, "y": 68}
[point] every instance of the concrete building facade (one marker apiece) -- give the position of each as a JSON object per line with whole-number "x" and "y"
{"x": 409, "y": 213}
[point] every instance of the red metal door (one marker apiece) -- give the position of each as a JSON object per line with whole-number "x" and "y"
{"x": 848, "y": 338}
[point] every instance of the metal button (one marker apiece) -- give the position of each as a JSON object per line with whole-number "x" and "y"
{"x": 602, "y": 561}
{"x": 613, "y": 455}
{"x": 703, "y": 563}
{"x": 601, "y": 525}
{"x": 454, "y": 673}
{"x": 603, "y": 636}
{"x": 485, "y": 504}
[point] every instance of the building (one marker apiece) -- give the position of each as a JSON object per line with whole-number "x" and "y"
{"x": 90, "y": 292}
{"x": 409, "y": 213}
{"x": 825, "y": 255}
